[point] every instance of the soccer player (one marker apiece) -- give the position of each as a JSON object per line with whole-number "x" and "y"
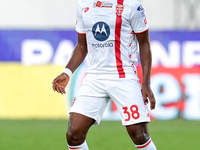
{"x": 111, "y": 33}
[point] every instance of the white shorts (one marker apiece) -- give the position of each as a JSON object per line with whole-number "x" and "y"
{"x": 94, "y": 95}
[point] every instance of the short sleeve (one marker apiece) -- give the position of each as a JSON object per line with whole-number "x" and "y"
{"x": 138, "y": 19}
{"x": 79, "y": 20}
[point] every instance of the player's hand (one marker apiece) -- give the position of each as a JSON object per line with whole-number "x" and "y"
{"x": 60, "y": 82}
{"x": 148, "y": 96}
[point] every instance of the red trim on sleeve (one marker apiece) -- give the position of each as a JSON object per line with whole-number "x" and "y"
{"x": 80, "y": 33}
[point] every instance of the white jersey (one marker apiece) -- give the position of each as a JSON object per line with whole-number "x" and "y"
{"x": 110, "y": 27}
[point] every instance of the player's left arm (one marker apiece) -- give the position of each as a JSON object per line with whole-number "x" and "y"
{"x": 146, "y": 60}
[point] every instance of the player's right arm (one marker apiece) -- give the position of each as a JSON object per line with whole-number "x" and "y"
{"x": 78, "y": 55}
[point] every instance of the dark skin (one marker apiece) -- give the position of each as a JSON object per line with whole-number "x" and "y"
{"x": 80, "y": 124}
{"x": 79, "y": 54}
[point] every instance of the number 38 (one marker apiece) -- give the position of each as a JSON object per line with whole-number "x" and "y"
{"x": 132, "y": 112}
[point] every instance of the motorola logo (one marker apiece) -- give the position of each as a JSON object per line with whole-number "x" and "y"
{"x": 101, "y": 31}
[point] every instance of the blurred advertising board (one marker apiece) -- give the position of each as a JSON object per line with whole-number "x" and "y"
{"x": 175, "y": 77}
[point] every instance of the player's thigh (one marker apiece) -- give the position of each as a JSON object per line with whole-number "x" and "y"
{"x": 127, "y": 95}
{"x": 138, "y": 129}
{"x": 79, "y": 124}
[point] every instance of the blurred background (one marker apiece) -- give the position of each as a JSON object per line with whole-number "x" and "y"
{"x": 37, "y": 38}
{"x": 36, "y": 41}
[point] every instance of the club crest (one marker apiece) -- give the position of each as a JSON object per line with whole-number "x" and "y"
{"x": 119, "y": 9}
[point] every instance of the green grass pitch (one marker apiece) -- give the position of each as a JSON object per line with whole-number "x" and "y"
{"x": 109, "y": 135}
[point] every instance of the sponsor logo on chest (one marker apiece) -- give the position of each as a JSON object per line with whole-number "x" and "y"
{"x": 101, "y": 32}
